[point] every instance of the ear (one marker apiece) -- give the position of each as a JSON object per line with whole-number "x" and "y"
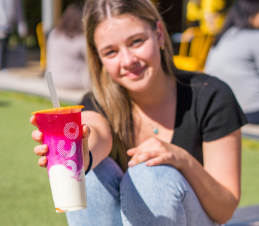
{"x": 160, "y": 33}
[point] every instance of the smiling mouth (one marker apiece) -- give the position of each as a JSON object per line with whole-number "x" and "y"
{"x": 135, "y": 73}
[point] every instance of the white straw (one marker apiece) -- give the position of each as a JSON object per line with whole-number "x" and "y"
{"x": 52, "y": 90}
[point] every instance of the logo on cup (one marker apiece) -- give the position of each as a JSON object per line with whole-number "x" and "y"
{"x": 71, "y": 131}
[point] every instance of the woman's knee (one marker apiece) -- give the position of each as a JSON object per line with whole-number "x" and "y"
{"x": 154, "y": 192}
{"x": 161, "y": 178}
{"x": 162, "y": 194}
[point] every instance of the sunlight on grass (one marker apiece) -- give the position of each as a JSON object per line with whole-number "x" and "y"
{"x": 24, "y": 189}
{"x": 250, "y": 172}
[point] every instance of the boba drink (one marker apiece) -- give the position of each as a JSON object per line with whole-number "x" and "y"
{"x": 62, "y": 133}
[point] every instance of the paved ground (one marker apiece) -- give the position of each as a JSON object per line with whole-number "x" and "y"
{"x": 30, "y": 80}
{"x": 247, "y": 216}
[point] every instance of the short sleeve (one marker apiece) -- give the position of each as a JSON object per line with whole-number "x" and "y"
{"x": 90, "y": 104}
{"x": 218, "y": 110}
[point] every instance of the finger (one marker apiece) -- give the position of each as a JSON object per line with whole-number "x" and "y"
{"x": 86, "y": 134}
{"x": 147, "y": 145}
{"x": 41, "y": 150}
{"x": 33, "y": 121}
{"x": 155, "y": 161}
{"x": 86, "y": 131}
{"x": 43, "y": 162}
{"x": 37, "y": 136}
{"x": 139, "y": 158}
{"x": 159, "y": 160}
{"x": 131, "y": 151}
{"x": 144, "y": 146}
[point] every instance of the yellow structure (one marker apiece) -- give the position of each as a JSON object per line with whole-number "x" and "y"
{"x": 42, "y": 43}
{"x": 194, "y": 48}
{"x": 208, "y": 13}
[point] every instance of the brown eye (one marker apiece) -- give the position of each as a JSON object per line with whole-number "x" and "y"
{"x": 110, "y": 53}
{"x": 137, "y": 42}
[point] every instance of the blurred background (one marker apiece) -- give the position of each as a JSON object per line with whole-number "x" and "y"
{"x": 42, "y": 16}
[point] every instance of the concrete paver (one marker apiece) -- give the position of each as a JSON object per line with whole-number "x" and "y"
{"x": 245, "y": 216}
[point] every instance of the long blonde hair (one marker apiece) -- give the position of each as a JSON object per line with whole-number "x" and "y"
{"x": 113, "y": 98}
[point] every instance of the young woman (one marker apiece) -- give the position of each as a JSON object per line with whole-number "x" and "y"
{"x": 234, "y": 57}
{"x": 173, "y": 137}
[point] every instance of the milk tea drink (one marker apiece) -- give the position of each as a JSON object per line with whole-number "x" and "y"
{"x": 62, "y": 132}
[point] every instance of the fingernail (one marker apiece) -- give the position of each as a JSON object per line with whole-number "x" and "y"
{"x": 42, "y": 148}
{"x": 131, "y": 163}
{"x": 37, "y": 135}
{"x": 148, "y": 163}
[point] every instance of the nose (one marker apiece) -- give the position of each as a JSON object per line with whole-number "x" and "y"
{"x": 128, "y": 59}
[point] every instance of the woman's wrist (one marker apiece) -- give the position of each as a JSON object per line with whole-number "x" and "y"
{"x": 186, "y": 161}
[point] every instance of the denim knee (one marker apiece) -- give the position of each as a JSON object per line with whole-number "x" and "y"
{"x": 159, "y": 195}
{"x": 163, "y": 178}
{"x": 153, "y": 196}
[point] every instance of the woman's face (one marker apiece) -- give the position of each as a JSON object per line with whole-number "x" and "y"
{"x": 129, "y": 50}
{"x": 254, "y": 21}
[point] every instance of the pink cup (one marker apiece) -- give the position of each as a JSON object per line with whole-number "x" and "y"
{"x": 62, "y": 132}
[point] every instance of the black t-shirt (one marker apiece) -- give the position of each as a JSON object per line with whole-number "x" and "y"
{"x": 206, "y": 110}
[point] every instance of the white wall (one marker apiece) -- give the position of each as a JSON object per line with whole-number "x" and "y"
{"x": 50, "y": 13}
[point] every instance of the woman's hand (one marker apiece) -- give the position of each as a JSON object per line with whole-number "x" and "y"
{"x": 86, "y": 133}
{"x": 156, "y": 152}
{"x": 42, "y": 149}
{"x": 39, "y": 150}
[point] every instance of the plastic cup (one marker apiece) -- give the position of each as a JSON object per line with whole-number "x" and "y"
{"x": 61, "y": 128}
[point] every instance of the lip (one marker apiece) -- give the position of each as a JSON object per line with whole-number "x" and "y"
{"x": 135, "y": 73}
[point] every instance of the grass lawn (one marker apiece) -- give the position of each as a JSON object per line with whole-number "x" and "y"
{"x": 25, "y": 195}
{"x": 250, "y": 172}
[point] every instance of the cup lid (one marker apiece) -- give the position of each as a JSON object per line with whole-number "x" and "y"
{"x": 58, "y": 109}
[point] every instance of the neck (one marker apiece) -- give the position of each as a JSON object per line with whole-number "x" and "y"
{"x": 154, "y": 111}
{"x": 157, "y": 94}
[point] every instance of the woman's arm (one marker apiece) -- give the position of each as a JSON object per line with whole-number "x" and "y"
{"x": 217, "y": 184}
{"x": 99, "y": 140}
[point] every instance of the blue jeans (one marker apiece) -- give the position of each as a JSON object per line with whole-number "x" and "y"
{"x": 143, "y": 196}
{"x": 253, "y": 118}
{"x": 3, "y": 51}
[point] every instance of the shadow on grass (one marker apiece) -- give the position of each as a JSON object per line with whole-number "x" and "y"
{"x": 4, "y": 103}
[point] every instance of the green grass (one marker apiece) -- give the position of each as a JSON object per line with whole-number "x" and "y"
{"x": 250, "y": 172}
{"x": 25, "y": 196}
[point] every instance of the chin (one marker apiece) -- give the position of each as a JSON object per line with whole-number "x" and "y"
{"x": 137, "y": 88}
